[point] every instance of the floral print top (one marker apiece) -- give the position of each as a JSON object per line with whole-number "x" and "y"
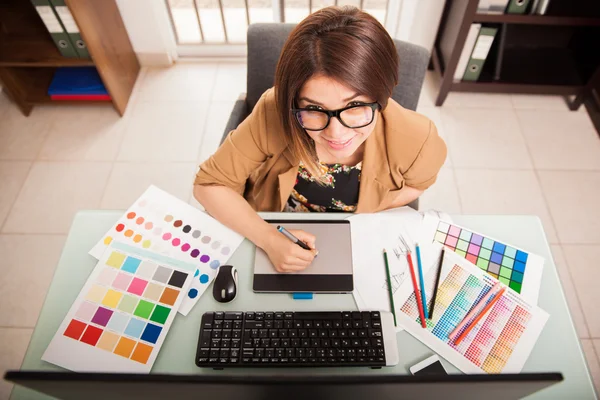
{"x": 338, "y": 194}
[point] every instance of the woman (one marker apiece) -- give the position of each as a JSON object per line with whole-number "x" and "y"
{"x": 327, "y": 137}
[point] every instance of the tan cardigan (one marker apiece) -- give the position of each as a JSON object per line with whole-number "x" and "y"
{"x": 404, "y": 149}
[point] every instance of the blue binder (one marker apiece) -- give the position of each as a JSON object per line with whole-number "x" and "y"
{"x": 77, "y": 81}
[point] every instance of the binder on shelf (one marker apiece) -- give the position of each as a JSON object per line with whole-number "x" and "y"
{"x": 77, "y": 83}
{"x": 542, "y": 7}
{"x": 517, "y": 6}
{"x": 492, "y": 6}
{"x": 480, "y": 52}
{"x": 466, "y": 51}
{"x": 70, "y": 26}
{"x": 59, "y": 36}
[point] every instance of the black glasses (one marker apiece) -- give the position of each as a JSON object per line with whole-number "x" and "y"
{"x": 355, "y": 116}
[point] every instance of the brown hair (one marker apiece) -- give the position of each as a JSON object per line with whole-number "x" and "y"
{"x": 343, "y": 43}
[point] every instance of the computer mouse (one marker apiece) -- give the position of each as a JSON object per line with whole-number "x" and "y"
{"x": 225, "y": 284}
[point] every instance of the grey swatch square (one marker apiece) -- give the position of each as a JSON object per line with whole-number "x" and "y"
{"x": 162, "y": 274}
{"x": 494, "y": 268}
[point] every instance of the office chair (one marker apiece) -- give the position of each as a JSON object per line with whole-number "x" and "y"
{"x": 265, "y": 42}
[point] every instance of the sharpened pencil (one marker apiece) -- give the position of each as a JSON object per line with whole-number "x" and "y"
{"x": 390, "y": 289}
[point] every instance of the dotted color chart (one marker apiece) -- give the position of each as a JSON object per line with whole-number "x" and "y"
{"x": 503, "y": 262}
{"x": 126, "y": 306}
{"x": 164, "y": 224}
{"x": 491, "y": 343}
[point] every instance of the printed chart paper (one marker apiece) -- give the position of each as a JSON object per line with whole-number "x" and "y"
{"x": 501, "y": 341}
{"x": 162, "y": 223}
{"x": 123, "y": 313}
{"x": 518, "y": 269}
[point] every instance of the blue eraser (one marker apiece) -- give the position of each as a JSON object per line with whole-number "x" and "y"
{"x": 302, "y": 296}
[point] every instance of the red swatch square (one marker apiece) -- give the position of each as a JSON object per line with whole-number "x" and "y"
{"x": 91, "y": 335}
{"x": 75, "y": 329}
{"x": 472, "y": 258}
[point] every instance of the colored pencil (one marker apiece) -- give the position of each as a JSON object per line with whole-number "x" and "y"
{"x": 480, "y": 316}
{"x": 389, "y": 281}
{"x": 421, "y": 281}
{"x": 475, "y": 310}
{"x": 416, "y": 287}
{"x": 437, "y": 283}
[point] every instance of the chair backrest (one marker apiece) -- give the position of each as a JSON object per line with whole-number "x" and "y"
{"x": 266, "y": 40}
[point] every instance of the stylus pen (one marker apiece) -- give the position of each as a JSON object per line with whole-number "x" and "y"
{"x": 474, "y": 311}
{"x": 293, "y": 238}
{"x": 421, "y": 281}
{"x": 480, "y": 316}
{"x": 437, "y": 284}
{"x": 389, "y": 282}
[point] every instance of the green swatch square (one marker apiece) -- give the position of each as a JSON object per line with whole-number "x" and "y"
{"x": 510, "y": 252}
{"x": 461, "y": 252}
{"x": 508, "y": 262}
{"x": 487, "y": 243}
{"x": 462, "y": 245}
{"x": 465, "y": 235}
{"x": 504, "y": 280}
{"x": 485, "y": 253}
{"x": 505, "y": 272}
{"x": 515, "y": 286}
{"x": 482, "y": 263}
{"x": 144, "y": 309}
{"x": 160, "y": 314}
{"x": 127, "y": 304}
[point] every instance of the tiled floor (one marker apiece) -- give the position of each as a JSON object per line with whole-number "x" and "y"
{"x": 507, "y": 155}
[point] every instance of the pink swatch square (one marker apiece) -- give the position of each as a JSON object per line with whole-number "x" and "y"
{"x": 137, "y": 286}
{"x": 451, "y": 241}
{"x": 454, "y": 231}
{"x": 121, "y": 282}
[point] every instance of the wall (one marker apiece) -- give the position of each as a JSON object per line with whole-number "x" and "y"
{"x": 419, "y": 21}
{"x": 149, "y": 30}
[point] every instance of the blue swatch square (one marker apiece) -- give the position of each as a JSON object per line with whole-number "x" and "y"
{"x": 519, "y": 266}
{"x": 496, "y": 258}
{"x": 118, "y": 322}
{"x": 151, "y": 333}
{"x": 499, "y": 248}
{"x": 131, "y": 264}
{"x": 135, "y": 327}
{"x": 521, "y": 256}
{"x": 517, "y": 276}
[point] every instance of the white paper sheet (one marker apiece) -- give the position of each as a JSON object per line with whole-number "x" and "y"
{"x": 122, "y": 314}
{"x": 507, "y": 265}
{"x": 162, "y": 223}
{"x": 501, "y": 341}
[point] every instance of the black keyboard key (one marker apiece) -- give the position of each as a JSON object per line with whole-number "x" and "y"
{"x": 203, "y": 360}
{"x": 355, "y": 342}
{"x": 214, "y": 353}
{"x": 347, "y": 324}
{"x": 280, "y": 352}
{"x": 269, "y": 315}
{"x": 317, "y": 315}
{"x": 274, "y": 360}
{"x": 235, "y": 343}
{"x": 357, "y": 324}
{"x": 246, "y": 360}
{"x": 204, "y": 352}
{"x": 371, "y": 352}
{"x": 225, "y": 343}
{"x": 331, "y": 352}
{"x": 289, "y": 315}
{"x": 300, "y": 352}
{"x": 237, "y": 324}
{"x": 335, "y": 343}
{"x": 325, "y": 343}
{"x": 264, "y": 360}
{"x": 298, "y": 324}
{"x": 347, "y": 315}
{"x": 310, "y": 352}
{"x": 343, "y": 333}
{"x": 346, "y": 343}
{"x": 376, "y": 324}
{"x": 320, "y": 352}
{"x": 270, "y": 352}
{"x": 254, "y": 325}
{"x": 207, "y": 321}
{"x": 233, "y": 360}
{"x": 235, "y": 353}
{"x": 315, "y": 342}
{"x": 254, "y": 333}
{"x": 216, "y": 333}
{"x": 356, "y": 315}
{"x": 215, "y": 343}
{"x": 290, "y": 352}
{"x": 313, "y": 333}
{"x": 366, "y": 343}
{"x": 249, "y": 315}
{"x": 236, "y": 334}
{"x": 375, "y": 315}
{"x": 318, "y": 324}
{"x": 333, "y": 333}
{"x": 337, "y": 324}
{"x": 248, "y": 353}
{"x": 323, "y": 333}
{"x": 273, "y": 333}
{"x": 352, "y": 333}
{"x": 275, "y": 342}
{"x": 259, "y": 316}
{"x": 234, "y": 315}
{"x": 293, "y": 333}
{"x": 327, "y": 324}
{"x": 259, "y": 353}
{"x": 279, "y": 315}
{"x": 278, "y": 324}
{"x": 249, "y": 343}
{"x": 226, "y": 334}
{"x": 224, "y": 353}
{"x": 302, "y": 333}
{"x": 283, "y": 333}
{"x": 263, "y": 333}
{"x": 363, "y": 333}
{"x": 308, "y": 323}
{"x": 295, "y": 342}
{"x": 288, "y": 324}
{"x": 218, "y": 324}
{"x": 255, "y": 360}
{"x": 265, "y": 342}
{"x": 367, "y": 324}
{"x": 219, "y": 315}
{"x": 377, "y": 342}
{"x": 285, "y": 342}
{"x": 269, "y": 324}
{"x": 228, "y": 325}
{"x": 213, "y": 360}
{"x": 305, "y": 342}
{"x": 375, "y": 333}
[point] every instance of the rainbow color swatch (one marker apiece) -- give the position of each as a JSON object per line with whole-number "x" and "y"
{"x": 500, "y": 342}
{"x": 164, "y": 224}
{"x": 122, "y": 314}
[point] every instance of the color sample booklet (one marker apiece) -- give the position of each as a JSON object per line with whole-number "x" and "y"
{"x": 500, "y": 342}
{"x": 518, "y": 269}
{"x": 162, "y": 223}
{"x": 123, "y": 312}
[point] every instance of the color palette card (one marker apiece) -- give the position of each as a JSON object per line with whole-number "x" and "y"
{"x": 518, "y": 269}
{"x": 164, "y": 224}
{"x": 123, "y": 313}
{"x": 500, "y": 342}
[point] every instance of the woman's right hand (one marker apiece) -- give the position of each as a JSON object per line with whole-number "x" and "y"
{"x": 287, "y": 256}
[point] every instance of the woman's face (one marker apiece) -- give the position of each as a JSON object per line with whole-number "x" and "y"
{"x": 335, "y": 143}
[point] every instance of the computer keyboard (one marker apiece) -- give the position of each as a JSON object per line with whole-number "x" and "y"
{"x": 297, "y": 339}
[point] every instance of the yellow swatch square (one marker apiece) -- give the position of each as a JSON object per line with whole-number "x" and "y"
{"x": 96, "y": 294}
{"x": 115, "y": 259}
{"x": 112, "y": 298}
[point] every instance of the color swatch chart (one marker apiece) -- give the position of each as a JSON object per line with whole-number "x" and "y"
{"x": 122, "y": 314}
{"x": 164, "y": 224}
{"x": 512, "y": 266}
{"x": 500, "y": 342}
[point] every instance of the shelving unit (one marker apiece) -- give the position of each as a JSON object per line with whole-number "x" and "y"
{"x": 531, "y": 54}
{"x": 29, "y": 57}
